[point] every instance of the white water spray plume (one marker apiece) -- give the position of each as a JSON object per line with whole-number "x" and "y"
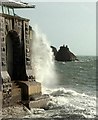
{"x": 43, "y": 60}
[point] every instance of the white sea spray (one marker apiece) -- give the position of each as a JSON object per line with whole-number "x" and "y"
{"x": 42, "y": 59}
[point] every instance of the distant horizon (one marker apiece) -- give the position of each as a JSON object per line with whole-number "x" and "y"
{"x": 73, "y": 51}
{"x": 72, "y": 24}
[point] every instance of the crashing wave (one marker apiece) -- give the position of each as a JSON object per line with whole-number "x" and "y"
{"x": 74, "y": 102}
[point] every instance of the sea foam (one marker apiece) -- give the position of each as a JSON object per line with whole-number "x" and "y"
{"x": 74, "y": 102}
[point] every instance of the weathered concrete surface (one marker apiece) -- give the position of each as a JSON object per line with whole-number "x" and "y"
{"x": 17, "y": 111}
{"x": 40, "y": 102}
{"x": 30, "y": 88}
{"x": 16, "y": 94}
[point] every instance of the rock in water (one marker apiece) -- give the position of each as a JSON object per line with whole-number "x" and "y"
{"x": 54, "y": 50}
{"x": 64, "y": 54}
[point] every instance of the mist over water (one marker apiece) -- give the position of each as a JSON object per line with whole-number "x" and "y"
{"x": 71, "y": 85}
{"x": 42, "y": 59}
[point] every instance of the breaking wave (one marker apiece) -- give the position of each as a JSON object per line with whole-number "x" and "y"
{"x": 65, "y": 103}
{"x": 42, "y": 59}
{"x": 73, "y": 102}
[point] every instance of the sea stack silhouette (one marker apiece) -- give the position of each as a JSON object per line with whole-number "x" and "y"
{"x": 64, "y": 54}
{"x": 54, "y": 50}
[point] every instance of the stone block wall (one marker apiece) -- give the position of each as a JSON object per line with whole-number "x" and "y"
{"x": 27, "y": 45}
{"x": 21, "y": 26}
{"x": 6, "y": 81}
{"x": 28, "y": 50}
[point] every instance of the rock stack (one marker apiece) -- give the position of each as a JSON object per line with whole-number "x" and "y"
{"x": 54, "y": 50}
{"x": 63, "y": 54}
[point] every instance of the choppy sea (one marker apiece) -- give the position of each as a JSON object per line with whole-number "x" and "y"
{"x": 74, "y": 96}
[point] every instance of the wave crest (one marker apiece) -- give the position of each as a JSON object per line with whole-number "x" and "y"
{"x": 73, "y": 102}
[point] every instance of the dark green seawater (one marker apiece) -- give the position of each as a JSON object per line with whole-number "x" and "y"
{"x": 75, "y": 94}
{"x": 79, "y": 76}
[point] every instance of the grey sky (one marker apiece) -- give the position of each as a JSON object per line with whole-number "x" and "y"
{"x": 71, "y": 23}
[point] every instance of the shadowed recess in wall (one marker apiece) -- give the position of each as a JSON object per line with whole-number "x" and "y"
{"x": 15, "y": 56}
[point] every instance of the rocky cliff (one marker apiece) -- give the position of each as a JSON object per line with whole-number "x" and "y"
{"x": 54, "y": 50}
{"x": 64, "y": 54}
